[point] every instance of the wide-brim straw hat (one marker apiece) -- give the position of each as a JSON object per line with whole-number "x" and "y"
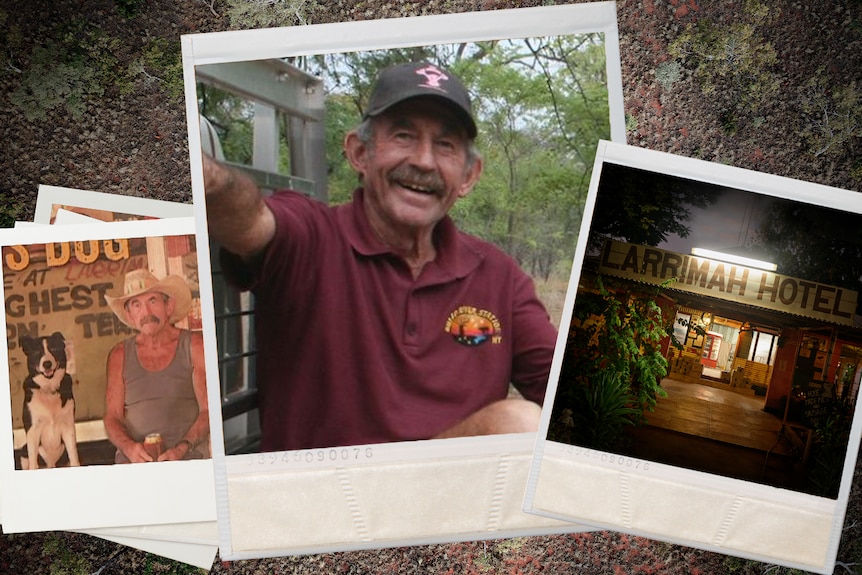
{"x": 142, "y": 281}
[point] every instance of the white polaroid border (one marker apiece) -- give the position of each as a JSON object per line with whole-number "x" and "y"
{"x": 50, "y": 196}
{"x": 193, "y": 543}
{"x": 732, "y": 516}
{"x": 200, "y": 556}
{"x": 105, "y": 495}
{"x": 375, "y": 496}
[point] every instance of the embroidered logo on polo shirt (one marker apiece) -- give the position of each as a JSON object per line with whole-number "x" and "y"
{"x": 471, "y": 326}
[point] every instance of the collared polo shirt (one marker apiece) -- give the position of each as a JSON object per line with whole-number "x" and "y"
{"x": 353, "y": 350}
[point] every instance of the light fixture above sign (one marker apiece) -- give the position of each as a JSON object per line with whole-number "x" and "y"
{"x": 730, "y": 258}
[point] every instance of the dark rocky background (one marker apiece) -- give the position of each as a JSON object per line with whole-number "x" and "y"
{"x": 91, "y": 98}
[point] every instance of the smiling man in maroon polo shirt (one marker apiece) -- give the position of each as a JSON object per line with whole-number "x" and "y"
{"x": 379, "y": 320}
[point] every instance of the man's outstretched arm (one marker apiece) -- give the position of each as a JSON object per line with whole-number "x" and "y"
{"x": 237, "y": 216}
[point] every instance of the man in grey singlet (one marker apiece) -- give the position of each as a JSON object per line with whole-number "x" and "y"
{"x": 156, "y": 378}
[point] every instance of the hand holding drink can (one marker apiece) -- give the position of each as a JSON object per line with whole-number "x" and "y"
{"x": 153, "y": 444}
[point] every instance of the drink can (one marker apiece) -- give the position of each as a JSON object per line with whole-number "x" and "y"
{"x": 153, "y": 445}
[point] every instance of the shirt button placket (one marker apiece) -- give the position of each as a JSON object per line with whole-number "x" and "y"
{"x": 412, "y": 320}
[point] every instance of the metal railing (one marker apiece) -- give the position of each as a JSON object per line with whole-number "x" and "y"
{"x": 277, "y": 89}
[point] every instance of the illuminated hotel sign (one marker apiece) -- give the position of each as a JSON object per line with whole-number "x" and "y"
{"x": 729, "y": 281}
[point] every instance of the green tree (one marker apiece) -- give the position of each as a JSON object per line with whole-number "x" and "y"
{"x": 831, "y": 436}
{"x": 813, "y": 242}
{"x": 11, "y": 44}
{"x": 831, "y": 119}
{"x": 508, "y": 111}
{"x": 75, "y": 65}
{"x": 542, "y": 106}
{"x": 732, "y": 62}
{"x": 269, "y": 13}
{"x": 161, "y": 62}
{"x": 613, "y": 365}
{"x": 643, "y": 207}
{"x": 233, "y": 119}
{"x": 342, "y": 115}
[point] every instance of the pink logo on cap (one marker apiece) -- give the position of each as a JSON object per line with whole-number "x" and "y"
{"x": 433, "y": 76}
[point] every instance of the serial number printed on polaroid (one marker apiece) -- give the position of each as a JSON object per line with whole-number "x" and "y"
{"x": 609, "y": 459}
{"x": 310, "y": 457}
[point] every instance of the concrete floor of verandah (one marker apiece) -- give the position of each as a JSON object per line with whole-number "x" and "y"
{"x": 703, "y": 427}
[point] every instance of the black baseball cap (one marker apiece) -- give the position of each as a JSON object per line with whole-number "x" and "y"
{"x": 414, "y": 79}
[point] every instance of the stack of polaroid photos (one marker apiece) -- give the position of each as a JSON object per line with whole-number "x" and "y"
{"x": 59, "y": 273}
{"x": 703, "y": 389}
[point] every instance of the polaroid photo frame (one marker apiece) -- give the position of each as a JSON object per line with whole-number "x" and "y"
{"x": 54, "y": 280}
{"x": 752, "y": 452}
{"x": 102, "y": 206}
{"x": 200, "y": 556}
{"x": 382, "y": 495}
{"x": 194, "y": 543}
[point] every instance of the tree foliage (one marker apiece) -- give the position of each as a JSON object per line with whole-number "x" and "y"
{"x": 161, "y": 62}
{"x": 11, "y": 42}
{"x": 77, "y": 64}
{"x": 832, "y": 117}
{"x": 233, "y": 119}
{"x": 543, "y": 107}
{"x": 732, "y": 61}
{"x": 613, "y": 364}
{"x": 831, "y": 435}
{"x": 643, "y": 207}
{"x": 270, "y": 13}
{"x": 802, "y": 240}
